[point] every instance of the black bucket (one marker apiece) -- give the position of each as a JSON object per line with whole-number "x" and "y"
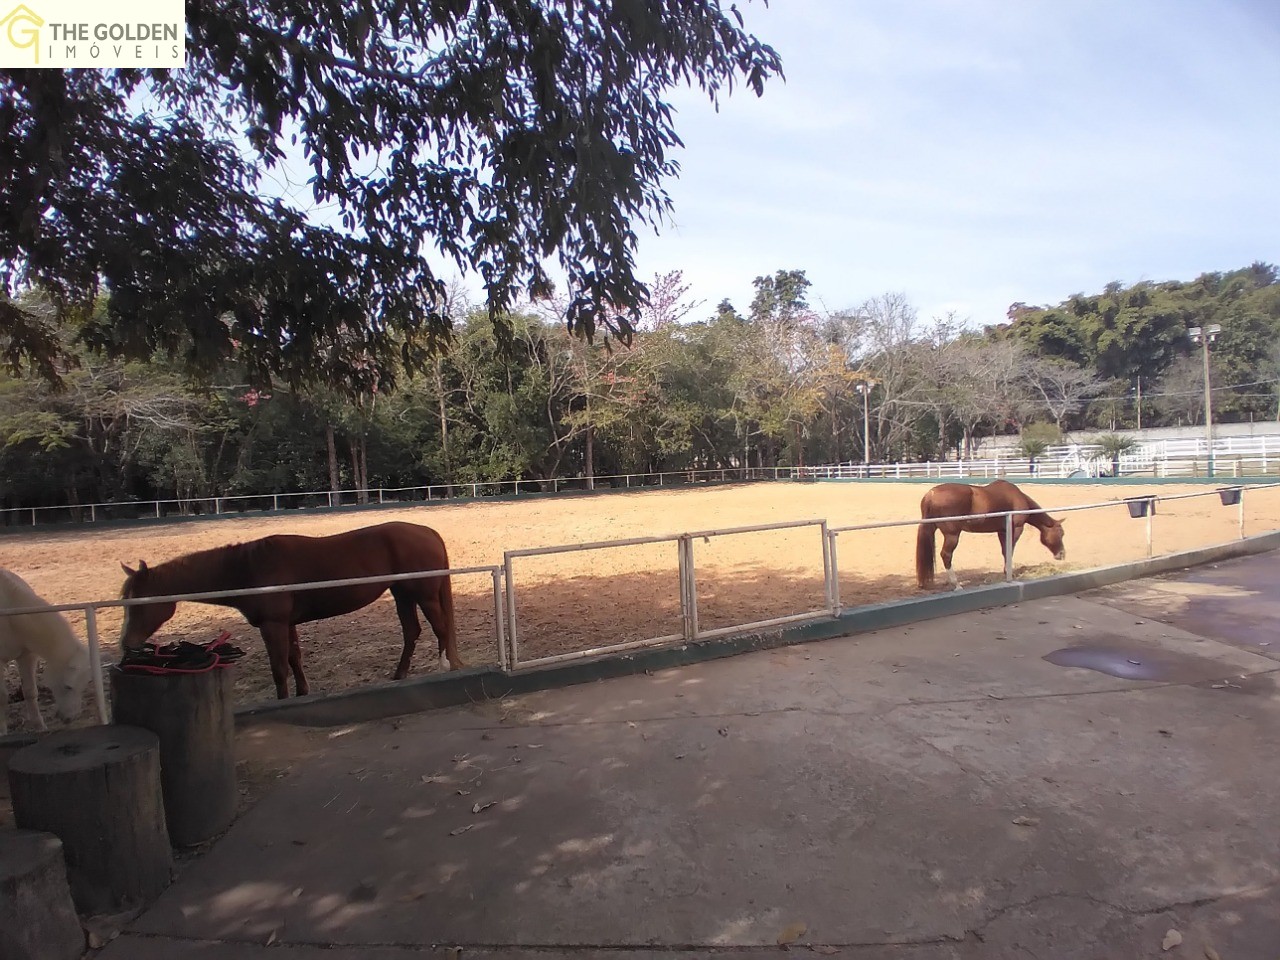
{"x": 1230, "y": 495}
{"x": 1140, "y": 506}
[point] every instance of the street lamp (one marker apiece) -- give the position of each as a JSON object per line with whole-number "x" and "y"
{"x": 864, "y": 388}
{"x": 1204, "y": 338}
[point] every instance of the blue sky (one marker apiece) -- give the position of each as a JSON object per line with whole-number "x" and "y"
{"x": 973, "y": 153}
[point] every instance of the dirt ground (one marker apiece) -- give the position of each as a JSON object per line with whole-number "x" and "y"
{"x": 583, "y": 599}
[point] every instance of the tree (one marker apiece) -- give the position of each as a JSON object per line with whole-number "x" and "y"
{"x": 1059, "y": 387}
{"x": 492, "y": 135}
{"x": 1179, "y": 394}
{"x": 889, "y": 330}
{"x": 667, "y": 302}
{"x": 1114, "y": 446}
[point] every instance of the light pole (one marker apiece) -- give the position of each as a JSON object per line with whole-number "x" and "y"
{"x": 864, "y": 388}
{"x": 1204, "y": 338}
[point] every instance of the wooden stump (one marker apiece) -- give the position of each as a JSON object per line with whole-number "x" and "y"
{"x": 192, "y": 715}
{"x": 98, "y": 790}
{"x": 37, "y": 918}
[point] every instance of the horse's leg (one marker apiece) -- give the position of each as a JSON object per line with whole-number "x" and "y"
{"x": 407, "y": 609}
{"x": 275, "y": 637}
{"x": 300, "y": 686}
{"x": 1017, "y": 534}
{"x": 27, "y": 662}
{"x": 949, "y": 540}
{"x": 27, "y": 677}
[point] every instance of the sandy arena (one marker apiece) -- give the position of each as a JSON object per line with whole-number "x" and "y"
{"x": 579, "y": 600}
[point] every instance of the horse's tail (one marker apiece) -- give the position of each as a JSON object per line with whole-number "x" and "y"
{"x": 449, "y": 642}
{"x": 448, "y": 635}
{"x": 924, "y": 554}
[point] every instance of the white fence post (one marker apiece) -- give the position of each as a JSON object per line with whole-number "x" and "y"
{"x": 1008, "y": 546}
{"x": 832, "y": 536}
{"x": 511, "y": 610}
{"x": 95, "y": 662}
{"x": 689, "y": 587}
{"x": 499, "y": 631}
{"x": 828, "y": 561}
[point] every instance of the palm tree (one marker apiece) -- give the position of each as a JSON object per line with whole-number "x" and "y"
{"x": 1032, "y": 447}
{"x": 1114, "y": 445}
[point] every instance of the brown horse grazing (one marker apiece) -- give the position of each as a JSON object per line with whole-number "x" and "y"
{"x": 388, "y": 548}
{"x": 960, "y": 499}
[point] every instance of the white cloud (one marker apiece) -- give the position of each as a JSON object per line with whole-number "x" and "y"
{"x": 976, "y": 153}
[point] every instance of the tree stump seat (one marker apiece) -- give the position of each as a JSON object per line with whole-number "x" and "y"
{"x": 97, "y": 789}
{"x": 37, "y": 917}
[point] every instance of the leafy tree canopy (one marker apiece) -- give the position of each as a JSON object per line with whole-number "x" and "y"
{"x": 494, "y": 136}
{"x": 1129, "y": 332}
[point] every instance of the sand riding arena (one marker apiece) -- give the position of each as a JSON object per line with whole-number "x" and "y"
{"x": 579, "y": 600}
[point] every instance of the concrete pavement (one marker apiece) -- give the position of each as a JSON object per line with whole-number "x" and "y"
{"x": 932, "y": 791}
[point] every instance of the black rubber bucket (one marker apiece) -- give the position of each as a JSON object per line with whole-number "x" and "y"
{"x": 1140, "y": 506}
{"x": 1230, "y": 495}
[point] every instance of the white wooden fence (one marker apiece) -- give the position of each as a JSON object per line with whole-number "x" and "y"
{"x": 1230, "y": 457}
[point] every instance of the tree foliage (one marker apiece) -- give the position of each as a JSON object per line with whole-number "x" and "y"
{"x": 1140, "y": 332}
{"x": 490, "y": 137}
{"x": 718, "y": 389}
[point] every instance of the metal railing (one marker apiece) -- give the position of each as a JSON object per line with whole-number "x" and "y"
{"x": 832, "y": 606}
{"x": 505, "y": 600}
{"x": 690, "y": 627}
{"x": 1233, "y": 456}
{"x": 235, "y": 504}
{"x": 1019, "y": 468}
{"x": 90, "y": 611}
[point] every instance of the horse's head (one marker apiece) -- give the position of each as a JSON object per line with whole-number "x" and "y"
{"x": 67, "y": 682}
{"x": 1051, "y": 537}
{"x": 141, "y": 621}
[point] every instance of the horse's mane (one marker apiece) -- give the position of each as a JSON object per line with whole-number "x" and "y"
{"x": 212, "y": 561}
{"x": 1038, "y": 520}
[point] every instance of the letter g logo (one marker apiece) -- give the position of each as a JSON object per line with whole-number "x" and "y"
{"x": 21, "y": 29}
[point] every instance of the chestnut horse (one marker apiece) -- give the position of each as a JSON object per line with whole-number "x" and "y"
{"x": 387, "y": 548}
{"x": 961, "y": 499}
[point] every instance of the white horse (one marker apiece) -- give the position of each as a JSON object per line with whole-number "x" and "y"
{"x": 28, "y": 637}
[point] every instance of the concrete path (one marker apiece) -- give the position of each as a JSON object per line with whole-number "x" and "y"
{"x": 930, "y": 792}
